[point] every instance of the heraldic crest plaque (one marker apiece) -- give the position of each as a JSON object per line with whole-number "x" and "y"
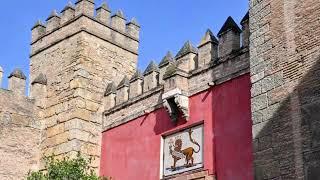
{"x": 183, "y": 151}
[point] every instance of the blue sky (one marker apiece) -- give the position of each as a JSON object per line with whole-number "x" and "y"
{"x": 165, "y": 25}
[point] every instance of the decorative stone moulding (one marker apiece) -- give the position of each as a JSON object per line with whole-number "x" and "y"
{"x": 174, "y": 102}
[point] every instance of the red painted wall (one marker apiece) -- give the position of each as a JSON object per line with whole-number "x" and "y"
{"x": 233, "y": 134}
{"x": 132, "y": 150}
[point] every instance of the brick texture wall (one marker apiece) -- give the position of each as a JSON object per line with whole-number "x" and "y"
{"x": 284, "y": 58}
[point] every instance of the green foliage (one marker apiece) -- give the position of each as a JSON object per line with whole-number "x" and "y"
{"x": 66, "y": 169}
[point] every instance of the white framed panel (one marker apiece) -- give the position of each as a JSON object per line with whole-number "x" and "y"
{"x": 182, "y": 151}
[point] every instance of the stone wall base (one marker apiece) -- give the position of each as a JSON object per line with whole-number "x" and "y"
{"x": 199, "y": 175}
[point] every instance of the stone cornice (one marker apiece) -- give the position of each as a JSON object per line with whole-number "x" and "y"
{"x": 82, "y": 29}
{"x": 75, "y": 33}
{"x": 92, "y": 18}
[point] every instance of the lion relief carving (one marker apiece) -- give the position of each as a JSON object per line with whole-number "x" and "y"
{"x": 187, "y": 154}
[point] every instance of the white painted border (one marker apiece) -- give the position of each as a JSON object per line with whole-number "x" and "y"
{"x": 180, "y": 130}
{"x": 161, "y": 156}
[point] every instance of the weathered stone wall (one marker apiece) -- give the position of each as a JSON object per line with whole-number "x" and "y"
{"x": 79, "y": 57}
{"x": 20, "y": 136}
{"x": 284, "y": 59}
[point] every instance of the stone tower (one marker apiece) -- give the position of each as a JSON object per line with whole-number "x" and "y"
{"x": 73, "y": 58}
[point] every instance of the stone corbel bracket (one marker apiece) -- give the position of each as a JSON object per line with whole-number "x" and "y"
{"x": 174, "y": 102}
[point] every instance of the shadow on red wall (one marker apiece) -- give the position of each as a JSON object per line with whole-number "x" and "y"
{"x": 132, "y": 150}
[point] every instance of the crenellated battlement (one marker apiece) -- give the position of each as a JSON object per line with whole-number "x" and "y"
{"x": 17, "y": 84}
{"x": 227, "y": 92}
{"x": 83, "y": 64}
{"x": 20, "y": 127}
{"x": 191, "y": 70}
{"x": 74, "y": 55}
{"x": 83, "y": 17}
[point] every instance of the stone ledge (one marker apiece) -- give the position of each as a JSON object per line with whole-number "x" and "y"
{"x": 134, "y": 100}
{"x": 242, "y": 51}
{"x": 131, "y": 117}
{"x": 117, "y": 117}
{"x": 193, "y": 175}
{"x": 222, "y": 80}
{"x": 159, "y": 105}
{"x": 75, "y": 33}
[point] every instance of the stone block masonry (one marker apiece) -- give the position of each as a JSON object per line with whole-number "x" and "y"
{"x": 80, "y": 54}
{"x": 20, "y": 135}
{"x": 284, "y": 59}
{"x": 74, "y": 55}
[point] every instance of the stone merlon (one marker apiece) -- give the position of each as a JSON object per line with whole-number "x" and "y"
{"x": 186, "y": 49}
{"x": 124, "y": 83}
{"x": 37, "y": 24}
{"x": 119, "y": 14}
{"x": 17, "y": 82}
{"x": 208, "y": 38}
{"x": 229, "y": 38}
{"x": 134, "y": 21}
{"x": 208, "y": 49}
{"x": 230, "y": 24}
{"x": 41, "y": 79}
{"x": 18, "y": 74}
{"x": 171, "y": 70}
{"x": 68, "y": 6}
{"x": 137, "y": 75}
{"x": 53, "y": 14}
{"x": 245, "y": 30}
{"x": 104, "y": 6}
{"x": 245, "y": 18}
{"x": 111, "y": 89}
{"x": 53, "y": 21}
{"x": 152, "y": 67}
{"x": 168, "y": 58}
